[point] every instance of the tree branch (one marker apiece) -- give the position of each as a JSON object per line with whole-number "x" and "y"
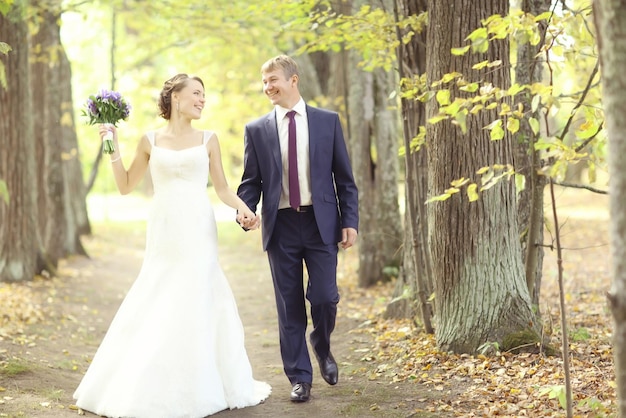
{"x": 581, "y": 186}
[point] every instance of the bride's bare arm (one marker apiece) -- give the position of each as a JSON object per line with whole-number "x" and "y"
{"x": 220, "y": 183}
{"x": 126, "y": 180}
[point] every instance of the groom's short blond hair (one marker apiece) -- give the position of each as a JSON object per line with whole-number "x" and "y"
{"x": 281, "y": 62}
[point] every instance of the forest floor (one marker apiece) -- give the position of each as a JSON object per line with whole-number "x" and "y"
{"x": 50, "y": 329}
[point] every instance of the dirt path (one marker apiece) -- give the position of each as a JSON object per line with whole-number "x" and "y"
{"x": 53, "y": 354}
{"x": 49, "y": 358}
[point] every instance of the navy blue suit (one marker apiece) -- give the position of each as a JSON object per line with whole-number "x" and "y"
{"x": 291, "y": 238}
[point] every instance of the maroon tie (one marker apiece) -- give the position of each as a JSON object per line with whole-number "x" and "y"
{"x": 294, "y": 186}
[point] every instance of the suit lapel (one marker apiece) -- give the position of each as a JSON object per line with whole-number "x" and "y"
{"x": 313, "y": 121}
{"x": 271, "y": 131}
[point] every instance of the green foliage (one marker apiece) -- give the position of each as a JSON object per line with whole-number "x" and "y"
{"x": 580, "y": 334}
{"x": 5, "y": 6}
{"x": 555, "y": 392}
{"x": 4, "y": 191}
{"x": 489, "y": 348}
{"x": 372, "y": 32}
{"x": 390, "y": 272}
{"x": 4, "y": 49}
{"x": 596, "y": 406}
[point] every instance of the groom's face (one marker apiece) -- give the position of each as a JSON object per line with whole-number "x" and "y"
{"x": 281, "y": 89}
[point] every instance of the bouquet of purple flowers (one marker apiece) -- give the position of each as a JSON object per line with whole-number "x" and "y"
{"x": 108, "y": 107}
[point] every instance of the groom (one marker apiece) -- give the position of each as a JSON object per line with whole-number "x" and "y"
{"x": 296, "y": 157}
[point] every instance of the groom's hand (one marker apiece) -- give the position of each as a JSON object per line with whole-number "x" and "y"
{"x": 252, "y": 223}
{"x": 248, "y": 223}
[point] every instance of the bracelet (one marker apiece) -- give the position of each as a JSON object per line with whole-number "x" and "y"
{"x": 118, "y": 158}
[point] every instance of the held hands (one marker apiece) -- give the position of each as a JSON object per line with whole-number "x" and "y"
{"x": 248, "y": 219}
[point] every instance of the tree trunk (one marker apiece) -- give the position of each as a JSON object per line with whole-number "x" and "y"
{"x": 480, "y": 288}
{"x": 75, "y": 192}
{"x": 48, "y": 133}
{"x": 527, "y": 161}
{"x": 610, "y": 21}
{"x": 18, "y": 219}
{"x": 416, "y": 266}
{"x": 373, "y": 136}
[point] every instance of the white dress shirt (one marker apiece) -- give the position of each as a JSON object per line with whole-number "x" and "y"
{"x": 302, "y": 139}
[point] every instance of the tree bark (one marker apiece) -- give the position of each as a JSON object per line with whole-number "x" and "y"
{"x": 529, "y": 70}
{"x": 373, "y": 142}
{"x": 610, "y": 21}
{"x": 48, "y": 134}
{"x": 480, "y": 288}
{"x": 416, "y": 265}
{"x": 18, "y": 218}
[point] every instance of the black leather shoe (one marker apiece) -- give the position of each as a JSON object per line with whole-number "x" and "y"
{"x": 301, "y": 392}
{"x": 329, "y": 369}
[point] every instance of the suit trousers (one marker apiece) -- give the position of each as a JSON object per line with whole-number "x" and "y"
{"x": 296, "y": 242}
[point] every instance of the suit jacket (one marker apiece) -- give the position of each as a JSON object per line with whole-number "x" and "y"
{"x": 334, "y": 193}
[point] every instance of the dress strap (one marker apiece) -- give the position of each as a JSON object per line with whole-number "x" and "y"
{"x": 207, "y": 135}
{"x": 151, "y": 136}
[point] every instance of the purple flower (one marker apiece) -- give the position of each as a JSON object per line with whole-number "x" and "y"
{"x": 106, "y": 107}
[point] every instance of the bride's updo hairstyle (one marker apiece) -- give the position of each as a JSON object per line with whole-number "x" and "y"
{"x": 174, "y": 84}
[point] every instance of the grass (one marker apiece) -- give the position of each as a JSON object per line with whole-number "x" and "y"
{"x": 67, "y": 364}
{"x": 54, "y": 394}
{"x": 15, "y": 367}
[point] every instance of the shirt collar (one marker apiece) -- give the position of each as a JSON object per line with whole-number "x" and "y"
{"x": 299, "y": 107}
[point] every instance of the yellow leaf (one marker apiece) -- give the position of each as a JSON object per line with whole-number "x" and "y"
{"x": 460, "y": 51}
{"x": 459, "y": 182}
{"x": 480, "y": 65}
{"x": 497, "y": 132}
{"x": 477, "y": 108}
{"x": 443, "y": 97}
{"x": 472, "y": 195}
{"x": 534, "y": 125}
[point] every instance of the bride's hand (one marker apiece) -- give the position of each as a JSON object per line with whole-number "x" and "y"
{"x": 247, "y": 219}
{"x": 254, "y": 223}
{"x": 104, "y": 128}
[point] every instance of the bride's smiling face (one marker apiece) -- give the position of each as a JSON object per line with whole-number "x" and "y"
{"x": 189, "y": 101}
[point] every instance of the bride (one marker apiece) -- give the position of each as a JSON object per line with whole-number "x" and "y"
{"x": 176, "y": 345}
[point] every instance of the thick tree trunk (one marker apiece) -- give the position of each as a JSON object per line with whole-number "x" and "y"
{"x": 610, "y": 21}
{"x": 416, "y": 266}
{"x": 48, "y": 134}
{"x": 527, "y": 162}
{"x": 18, "y": 220}
{"x": 480, "y": 287}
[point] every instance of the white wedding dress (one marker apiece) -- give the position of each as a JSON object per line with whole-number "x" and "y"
{"x": 176, "y": 345}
